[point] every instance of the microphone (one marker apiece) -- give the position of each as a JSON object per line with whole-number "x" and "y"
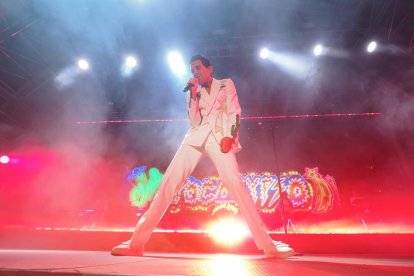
{"x": 188, "y": 87}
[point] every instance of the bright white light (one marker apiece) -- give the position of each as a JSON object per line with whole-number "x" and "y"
{"x": 176, "y": 62}
{"x": 371, "y": 46}
{"x": 297, "y": 66}
{"x": 228, "y": 231}
{"x": 129, "y": 66}
{"x": 317, "y": 50}
{"x": 131, "y": 62}
{"x": 4, "y": 159}
{"x": 83, "y": 64}
{"x": 264, "y": 53}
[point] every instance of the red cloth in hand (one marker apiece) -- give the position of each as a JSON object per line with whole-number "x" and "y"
{"x": 226, "y": 144}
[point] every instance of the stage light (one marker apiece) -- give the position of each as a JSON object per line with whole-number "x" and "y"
{"x": 129, "y": 66}
{"x": 83, "y": 64}
{"x": 264, "y": 53}
{"x": 228, "y": 231}
{"x": 317, "y": 50}
{"x": 176, "y": 62}
{"x": 4, "y": 159}
{"x": 131, "y": 62}
{"x": 371, "y": 47}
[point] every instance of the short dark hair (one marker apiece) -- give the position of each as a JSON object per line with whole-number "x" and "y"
{"x": 205, "y": 61}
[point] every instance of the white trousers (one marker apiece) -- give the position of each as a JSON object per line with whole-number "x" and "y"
{"x": 182, "y": 165}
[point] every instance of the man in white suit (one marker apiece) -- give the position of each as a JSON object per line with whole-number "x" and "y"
{"x": 214, "y": 116}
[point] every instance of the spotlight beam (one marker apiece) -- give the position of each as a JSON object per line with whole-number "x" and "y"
{"x": 176, "y": 62}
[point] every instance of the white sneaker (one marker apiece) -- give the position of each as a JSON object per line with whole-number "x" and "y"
{"x": 125, "y": 249}
{"x": 279, "y": 250}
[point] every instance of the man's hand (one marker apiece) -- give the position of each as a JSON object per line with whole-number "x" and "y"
{"x": 193, "y": 89}
{"x": 226, "y": 144}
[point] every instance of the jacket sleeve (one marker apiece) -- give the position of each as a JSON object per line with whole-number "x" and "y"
{"x": 233, "y": 111}
{"x": 193, "y": 110}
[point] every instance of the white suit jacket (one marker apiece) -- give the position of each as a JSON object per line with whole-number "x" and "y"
{"x": 223, "y": 115}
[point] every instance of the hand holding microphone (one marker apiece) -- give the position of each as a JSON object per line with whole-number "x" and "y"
{"x": 188, "y": 87}
{"x": 192, "y": 85}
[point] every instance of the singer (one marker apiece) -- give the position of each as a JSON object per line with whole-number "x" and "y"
{"x": 214, "y": 117}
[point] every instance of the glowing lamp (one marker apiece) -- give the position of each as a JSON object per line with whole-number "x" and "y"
{"x": 4, "y": 159}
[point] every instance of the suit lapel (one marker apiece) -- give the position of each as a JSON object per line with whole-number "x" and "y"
{"x": 215, "y": 88}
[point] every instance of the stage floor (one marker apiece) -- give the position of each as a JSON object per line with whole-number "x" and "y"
{"x": 66, "y": 262}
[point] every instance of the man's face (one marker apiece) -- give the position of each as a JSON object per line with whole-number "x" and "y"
{"x": 202, "y": 73}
